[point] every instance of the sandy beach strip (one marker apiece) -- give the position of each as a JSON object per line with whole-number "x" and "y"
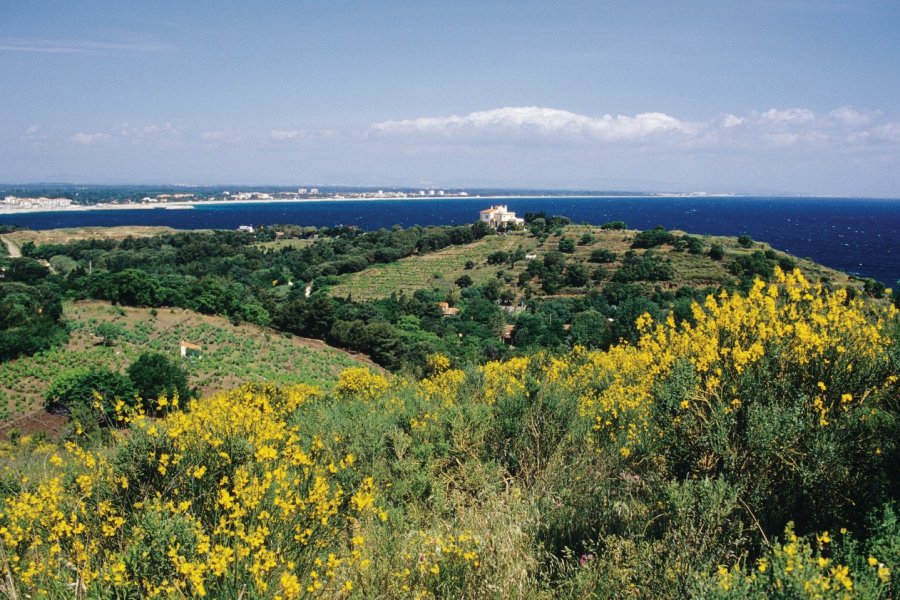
{"x": 8, "y": 210}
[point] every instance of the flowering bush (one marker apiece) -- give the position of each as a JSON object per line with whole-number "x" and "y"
{"x": 664, "y": 468}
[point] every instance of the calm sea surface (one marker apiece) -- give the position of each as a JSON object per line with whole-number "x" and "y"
{"x": 860, "y": 236}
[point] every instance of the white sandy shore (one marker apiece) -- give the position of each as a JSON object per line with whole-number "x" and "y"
{"x": 8, "y": 210}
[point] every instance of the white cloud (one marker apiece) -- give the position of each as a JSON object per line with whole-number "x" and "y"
{"x": 34, "y": 133}
{"x": 284, "y": 134}
{"x": 729, "y": 121}
{"x": 47, "y": 46}
{"x": 760, "y": 130}
{"x": 89, "y": 139}
{"x": 148, "y": 132}
{"x": 850, "y": 116}
{"x": 303, "y": 135}
{"x": 790, "y": 115}
{"x": 887, "y": 131}
{"x": 543, "y": 121}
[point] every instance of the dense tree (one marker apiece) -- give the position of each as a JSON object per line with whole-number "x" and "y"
{"x": 614, "y": 225}
{"x": 497, "y": 258}
{"x": 89, "y": 395}
{"x": 591, "y": 330}
{"x": 26, "y": 270}
{"x": 602, "y": 255}
{"x": 566, "y": 245}
{"x": 576, "y": 275}
{"x": 155, "y": 375}
{"x": 643, "y": 267}
{"x": 652, "y": 238}
{"x": 30, "y": 320}
{"x": 463, "y": 281}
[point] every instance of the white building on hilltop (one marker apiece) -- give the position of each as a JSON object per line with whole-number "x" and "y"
{"x": 496, "y": 215}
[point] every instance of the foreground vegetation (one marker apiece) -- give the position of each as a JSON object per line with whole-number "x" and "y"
{"x": 112, "y": 337}
{"x": 749, "y": 450}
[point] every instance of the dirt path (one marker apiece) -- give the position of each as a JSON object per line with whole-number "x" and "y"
{"x": 11, "y": 247}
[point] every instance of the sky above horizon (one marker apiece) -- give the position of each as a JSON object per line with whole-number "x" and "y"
{"x": 789, "y": 96}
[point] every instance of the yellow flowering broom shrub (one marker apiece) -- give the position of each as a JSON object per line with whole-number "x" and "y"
{"x": 225, "y": 499}
{"x": 660, "y": 468}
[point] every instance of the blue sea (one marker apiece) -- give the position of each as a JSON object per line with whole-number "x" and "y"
{"x": 859, "y": 236}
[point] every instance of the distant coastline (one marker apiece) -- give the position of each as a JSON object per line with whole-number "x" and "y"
{"x": 190, "y": 204}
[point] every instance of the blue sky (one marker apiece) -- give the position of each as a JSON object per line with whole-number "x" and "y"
{"x": 778, "y": 96}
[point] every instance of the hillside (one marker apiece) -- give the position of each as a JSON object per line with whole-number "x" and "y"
{"x": 66, "y": 235}
{"x": 231, "y": 354}
{"x": 433, "y": 270}
{"x": 751, "y": 453}
{"x": 440, "y": 270}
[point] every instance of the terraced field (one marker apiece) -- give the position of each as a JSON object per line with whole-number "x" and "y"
{"x": 231, "y": 354}
{"x": 437, "y": 270}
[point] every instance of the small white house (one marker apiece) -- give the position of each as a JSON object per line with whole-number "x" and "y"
{"x": 496, "y": 215}
{"x": 189, "y": 350}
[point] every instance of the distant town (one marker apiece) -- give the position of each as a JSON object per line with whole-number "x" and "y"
{"x": 52, "y": 203}
{"x": 51, "y": 197}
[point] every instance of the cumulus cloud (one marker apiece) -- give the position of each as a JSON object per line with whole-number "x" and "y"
{"x": 543, "y": 121}
{"x": 775, "y": 127}
{"x": 850, "y": 116}
{"x": 89, "y": 139}
{"x": 729, "y": 121}
{"x": 790, "y": 115}
{"x": 887, "y": 131}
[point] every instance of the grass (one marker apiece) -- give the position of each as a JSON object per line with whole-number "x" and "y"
{"x": 439, "y": 270}
{"x": 73, "y": 234}
{"x": 436, "y": 270}
{"x": 231, "y": 354}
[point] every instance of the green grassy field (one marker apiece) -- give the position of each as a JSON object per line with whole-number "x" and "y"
{"x": 231, "y": 354}
{"x": 437, "y": 270}
{"x": 73, "y": 234}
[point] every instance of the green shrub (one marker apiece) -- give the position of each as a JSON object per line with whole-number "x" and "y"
{"x": 93, "y": 391}
{"x": 156, "y": 376}
{"x": 614, "y": 225}
{"x": 567, "y": 245}
{"x": 602, "y": 255}
{"x": 652, "y": 238}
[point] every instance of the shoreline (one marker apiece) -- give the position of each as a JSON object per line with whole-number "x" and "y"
{"x": 191, "y": 204}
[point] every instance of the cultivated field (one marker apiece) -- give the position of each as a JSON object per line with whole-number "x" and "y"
{"x": 231, "y": 354}
{"x": 437, "y": 270}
